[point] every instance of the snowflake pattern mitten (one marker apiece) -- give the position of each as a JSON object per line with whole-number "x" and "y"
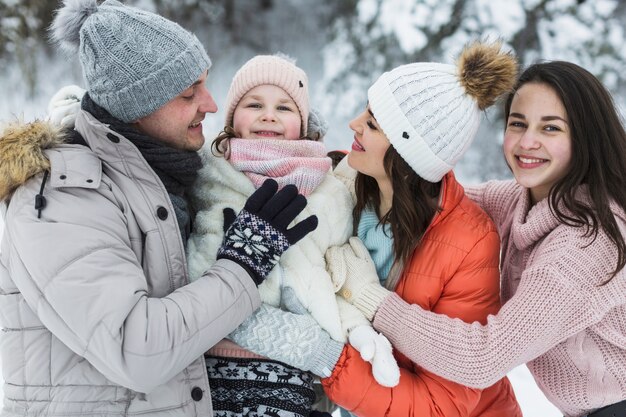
{"x": 258, "y": 236}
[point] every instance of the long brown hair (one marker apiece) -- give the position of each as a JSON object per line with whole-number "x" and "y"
{"x": 412, "y": 209}
{"x": 598, "y": 151}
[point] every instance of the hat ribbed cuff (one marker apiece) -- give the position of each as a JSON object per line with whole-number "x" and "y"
{"x": 396, "y": 127}
{"x": 369, "y": 300}
{"x": 150, "y": 93}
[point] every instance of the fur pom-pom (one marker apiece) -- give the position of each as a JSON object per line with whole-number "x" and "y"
{"x": 486, "y": 72}
{"x": 21, "y": 152}
{"x": 317, "y": 126}
{"x": 65, "y": 28}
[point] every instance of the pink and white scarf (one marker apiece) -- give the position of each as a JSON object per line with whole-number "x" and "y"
{"x": 300, "y": 162}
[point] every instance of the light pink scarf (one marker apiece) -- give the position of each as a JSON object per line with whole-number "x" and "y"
{"x": 300, "y": 162}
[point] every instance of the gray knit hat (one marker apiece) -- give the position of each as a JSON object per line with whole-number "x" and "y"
{"x": 133, "y": 61}
{"x": 430, "y": 112}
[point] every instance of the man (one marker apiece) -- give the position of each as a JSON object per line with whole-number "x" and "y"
{"x": 95, "y": 305}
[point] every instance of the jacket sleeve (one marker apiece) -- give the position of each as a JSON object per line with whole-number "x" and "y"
{"x": 77, "y": 272}
{"x": 470, "y": 294}
{"x": 353, "y": 387}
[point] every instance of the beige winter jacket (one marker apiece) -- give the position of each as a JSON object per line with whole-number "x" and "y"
{"x": 97, "y": 318}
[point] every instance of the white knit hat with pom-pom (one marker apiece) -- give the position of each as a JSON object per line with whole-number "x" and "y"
{"x": 430, "y": 112}
{"x": 133, "y": 61}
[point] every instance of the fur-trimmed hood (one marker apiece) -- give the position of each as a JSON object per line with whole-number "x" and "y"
{"x": 22, "y": 155}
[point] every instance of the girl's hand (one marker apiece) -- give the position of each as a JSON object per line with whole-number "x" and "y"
{"x": 376, "y": 349}
{"x": 258, "y": 235}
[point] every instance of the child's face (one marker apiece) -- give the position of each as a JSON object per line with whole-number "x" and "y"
{"x": 267, "y": 112}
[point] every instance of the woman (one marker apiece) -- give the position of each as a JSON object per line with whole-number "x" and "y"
{"x": 562, "y": 224}
{"x": 429, "y": 243}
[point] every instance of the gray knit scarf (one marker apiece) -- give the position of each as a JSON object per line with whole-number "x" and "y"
{"x": 176, "y": 168}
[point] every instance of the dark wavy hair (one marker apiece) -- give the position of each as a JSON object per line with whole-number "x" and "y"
{"x": 598, "y": 150}
{"x": 413, "y": 206}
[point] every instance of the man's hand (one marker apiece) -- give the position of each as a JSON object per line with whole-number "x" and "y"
{"x": 258, "y": 236}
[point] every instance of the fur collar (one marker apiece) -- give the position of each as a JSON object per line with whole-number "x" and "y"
{"x": 22, "y": 156}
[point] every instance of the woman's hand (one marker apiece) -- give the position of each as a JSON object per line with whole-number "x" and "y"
{"x": 355, "y": 278}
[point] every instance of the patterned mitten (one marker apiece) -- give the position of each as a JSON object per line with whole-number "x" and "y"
{"x": 376, "y": 349}
{"x": 258, "y": 236}
{"x": 294, "y": 338}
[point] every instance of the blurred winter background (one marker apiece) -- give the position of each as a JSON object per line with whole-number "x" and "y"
{"x": 343, "y": 45}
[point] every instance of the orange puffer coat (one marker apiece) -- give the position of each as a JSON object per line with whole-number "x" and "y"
{"x": 455, "y": 272}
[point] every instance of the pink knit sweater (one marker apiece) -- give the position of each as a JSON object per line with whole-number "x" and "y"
{"x": 557, "y": 318}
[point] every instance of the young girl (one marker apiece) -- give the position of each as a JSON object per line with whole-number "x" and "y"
{"x": 562, "y": 223}
{"x": 267, "y": 114}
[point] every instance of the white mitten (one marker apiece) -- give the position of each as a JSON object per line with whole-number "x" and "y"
{"x": 384, "y": 366}
{"x": 376, "y": 349}
{"x": 362, "y": 338}
{"x": 64, "y": 105}
{"x": 354, "y": 276}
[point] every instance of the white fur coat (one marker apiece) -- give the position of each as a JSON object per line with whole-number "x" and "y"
{"x": 302, "y": 266}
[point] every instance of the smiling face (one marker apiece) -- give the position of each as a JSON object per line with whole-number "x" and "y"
{"x": 178, "y": 123}
{"x": 369, "y": 147}
{"x": 537, "y": 141}
{"x": 267, "y": 112}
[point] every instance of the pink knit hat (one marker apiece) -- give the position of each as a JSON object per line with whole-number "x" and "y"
{"x": 275, "y": 70}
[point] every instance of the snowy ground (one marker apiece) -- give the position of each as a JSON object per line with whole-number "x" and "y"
{"x": 531, "y": 399}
